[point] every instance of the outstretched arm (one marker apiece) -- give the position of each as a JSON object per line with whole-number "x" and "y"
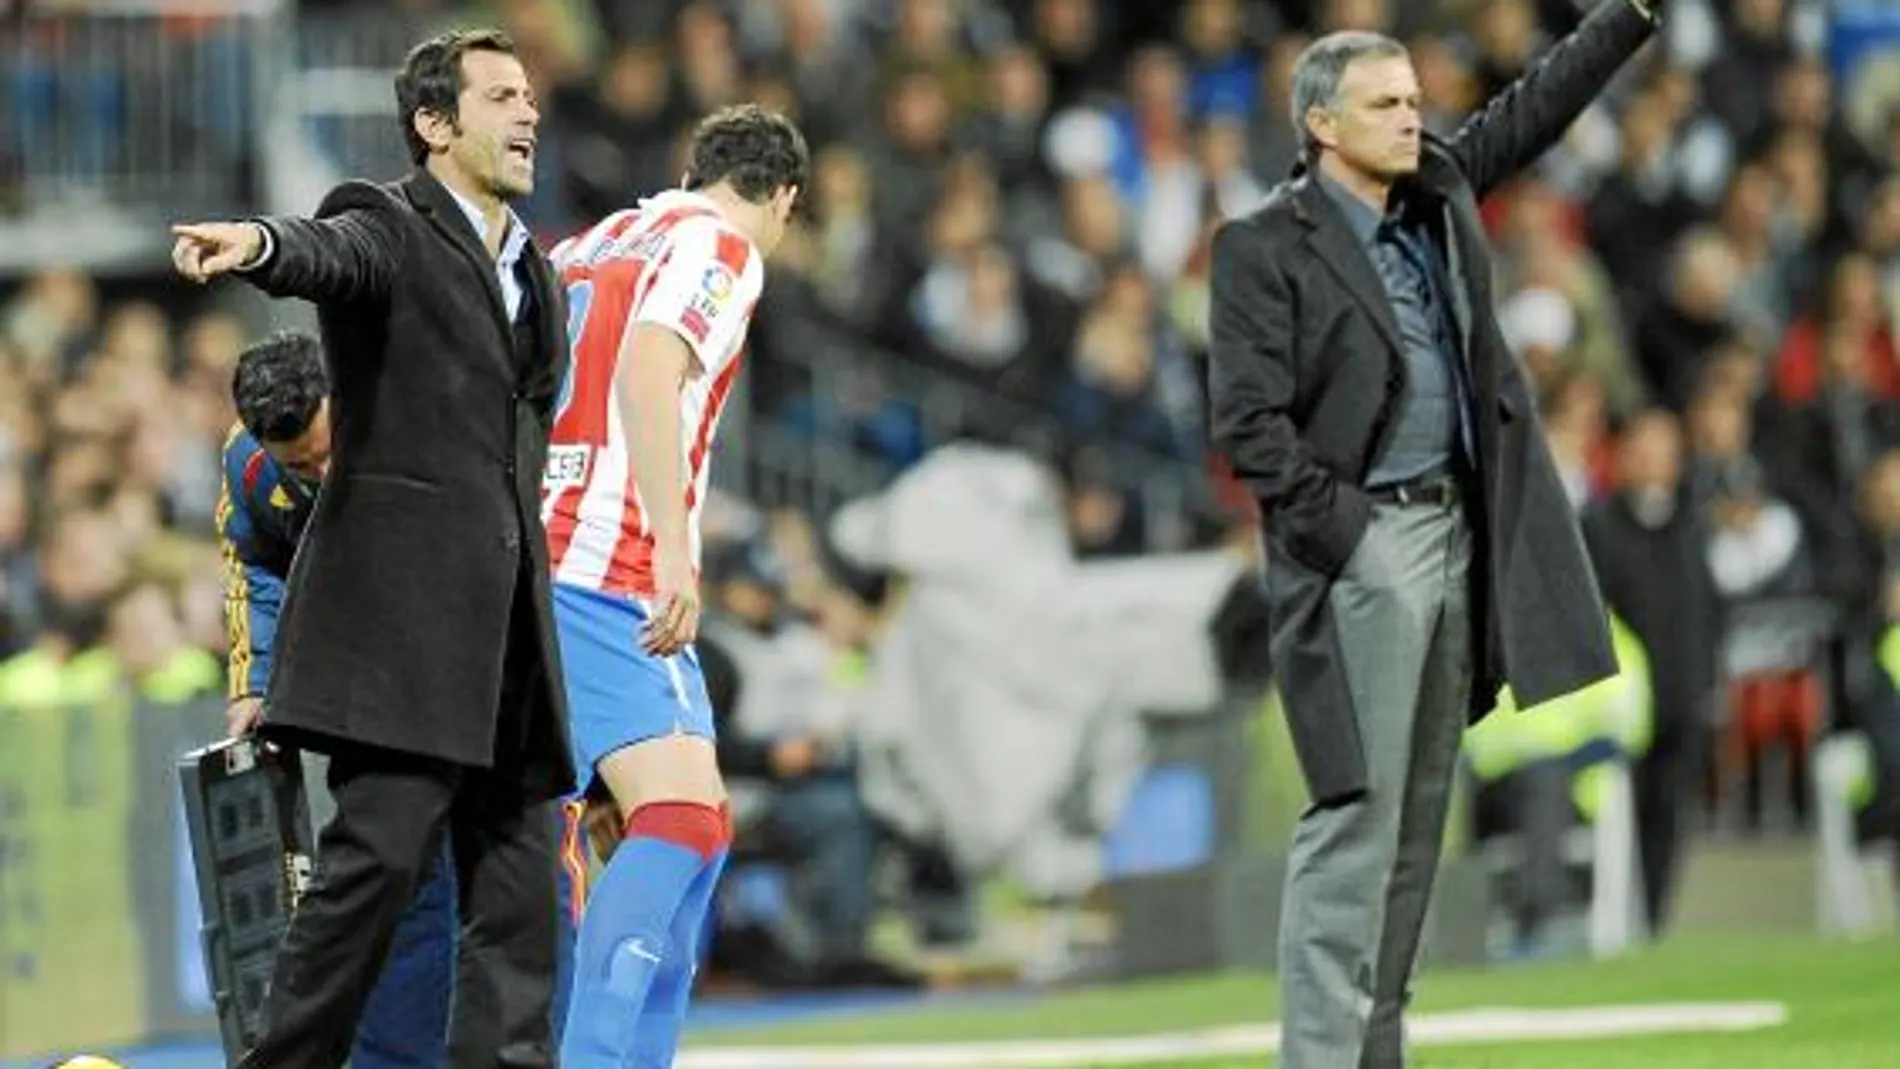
{"x": 1523, "y": 121}
{"x": 349, "y": 252}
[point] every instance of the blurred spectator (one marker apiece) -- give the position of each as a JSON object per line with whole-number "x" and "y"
{"x": 1880, "y": 239}
{"x": 1689, "y": 317}
{"x": 1272, "y": 139}
{"x": 971, "y": 309}
{"x": 1839, "y": 388}
{"x": 1094, "y": 235}
{"x": 1541, "y": 326}
{"x": 1230, "y": 190}
{"x": 1759, "y": 553}
{"x": 1703, "y": 145}
{"x": 1109, "y": 392}
{"x": 1508, "y": 39}
{"x": 146, "y": 633}
{"x": 852, "y": 254}
{"x": 927, "y": 37}
{"x": 616, "y": 144}
{"x": 706, "y": 70}
{"x": 1636, "y": 212}
{"x": 1850, "y": 326}
{"x": 785, "y": 746}
{"x": 1445, "y": 79}
{"x": 1103, "y": 519}
{"x": 1542, "y": 248}
{"x": 1575, "y": 428}
{"x": 1009, "y": 129}
{"x": 50, "y": 320}
{"x": 826, "y": 72}
{"x": 908, "y": 157}
{"x": 1153, "y": 168}
{"x": 82, "y": 559}
{"x": 1755, "y": 219}
{"x": 1739, "y": 83}
{"x": 1648, "y": 543}
{"x": 1222, "y": 73}
{"x": 1106, "y": 396}
{"x": 1081, "y": 60}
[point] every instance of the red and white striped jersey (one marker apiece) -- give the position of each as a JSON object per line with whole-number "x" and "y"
{"x": 672, "y": 260}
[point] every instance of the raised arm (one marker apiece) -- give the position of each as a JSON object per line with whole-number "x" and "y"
{"x": 1251, "y": 376}
{"x": 1528, "y": 117}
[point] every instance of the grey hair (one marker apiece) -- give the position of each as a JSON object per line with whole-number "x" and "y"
{"x": 1317, "y": 73}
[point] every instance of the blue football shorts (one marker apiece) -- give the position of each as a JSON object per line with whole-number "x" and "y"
{"x": 618, "y": 693}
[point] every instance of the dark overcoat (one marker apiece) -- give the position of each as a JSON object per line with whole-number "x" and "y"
{"x": 402, "y": 627}
{"x": 1305, "y": 374}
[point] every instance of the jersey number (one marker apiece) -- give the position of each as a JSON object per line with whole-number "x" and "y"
{"x": 580, "y": 297}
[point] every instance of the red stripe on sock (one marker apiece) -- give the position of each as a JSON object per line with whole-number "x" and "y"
{"x": 699, "y": 828}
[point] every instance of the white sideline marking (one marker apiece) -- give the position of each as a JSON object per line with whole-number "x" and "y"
{"x": 1495, "y": 1025}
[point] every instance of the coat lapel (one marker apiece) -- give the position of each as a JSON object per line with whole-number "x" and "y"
{"x": 1334, "y": 244}
{"x": 552, "y": 324}
{"x": 439, "y": 206}
{"x": 1438, "y": 176}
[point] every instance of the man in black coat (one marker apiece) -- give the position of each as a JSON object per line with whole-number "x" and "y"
{"x": 1650, "y": 547}
{"x": 1420, "y": 547}
{"x": 416, "y": 644}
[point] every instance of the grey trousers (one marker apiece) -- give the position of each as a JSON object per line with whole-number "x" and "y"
{"x": 1360, "y": 874}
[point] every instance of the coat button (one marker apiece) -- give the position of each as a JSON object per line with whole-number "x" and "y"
{"x": 512, "y": 541}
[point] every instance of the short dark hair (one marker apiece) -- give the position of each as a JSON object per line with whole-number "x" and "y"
{"x": 279, "y": 385}
{"x": 431, "y": 79}
{"x": 753, "y": 149}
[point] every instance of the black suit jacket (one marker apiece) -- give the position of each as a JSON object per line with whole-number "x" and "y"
{"x": 398, "y": 621}
{"x": 1305, "y": 372}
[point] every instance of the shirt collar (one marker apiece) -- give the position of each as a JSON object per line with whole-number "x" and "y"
{"x": 512, "y": 242}
{"x": 1359, "y": 215}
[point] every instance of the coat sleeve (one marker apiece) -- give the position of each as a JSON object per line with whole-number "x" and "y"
{"x": 1523, "y": 121}
{"x": 1252, "y": 372}
{"x": 349, "y": 252}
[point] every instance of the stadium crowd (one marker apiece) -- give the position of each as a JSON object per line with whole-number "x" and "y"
{"x": 1018, "y": 196}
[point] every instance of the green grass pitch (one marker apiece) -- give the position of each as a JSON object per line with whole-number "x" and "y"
{"x": 1843, "y": 1002}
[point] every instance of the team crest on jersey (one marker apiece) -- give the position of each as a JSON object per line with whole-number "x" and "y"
{"x": 718, "y": 283}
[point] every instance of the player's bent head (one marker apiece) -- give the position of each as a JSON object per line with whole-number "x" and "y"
{"x": 757, "y": 153}
{"x": 282, "y": 397}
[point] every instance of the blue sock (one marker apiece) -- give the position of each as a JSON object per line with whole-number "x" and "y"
{"x": 626, "y": 932}
{"x": 664, "y": 1016}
